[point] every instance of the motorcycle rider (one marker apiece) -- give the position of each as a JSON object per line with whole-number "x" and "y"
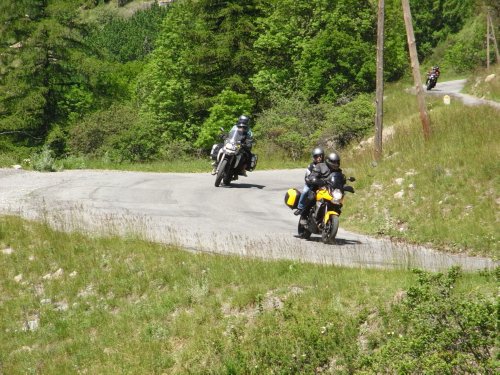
{"x": 434, "y": 70}
{"x": 242, "y": 126}
{"x": 333, "y": 163}
{"x": 318, "y": 156}
{"x": 318, "y": 178}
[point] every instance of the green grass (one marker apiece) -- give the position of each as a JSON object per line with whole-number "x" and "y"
{"x": 268, "y": 159}
{"x": 122, "y": 305}
{"x": 488, "y": 90}
{"x": 7, "y": 160}
{"x": 449, "y": 183}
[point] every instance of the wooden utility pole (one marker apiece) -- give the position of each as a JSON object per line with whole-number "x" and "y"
{"x": 416, "y": 70}
{"x": 488, "y": 40}
{"x": 379, "y": 117}
{"x": 491, "y": 34}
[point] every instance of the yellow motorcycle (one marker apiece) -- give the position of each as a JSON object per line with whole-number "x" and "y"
{"x": 323, "y": 217}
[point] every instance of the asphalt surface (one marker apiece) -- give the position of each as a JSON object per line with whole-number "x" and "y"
{"x": 248, "y": 218}
{"x": 453, "y": 88}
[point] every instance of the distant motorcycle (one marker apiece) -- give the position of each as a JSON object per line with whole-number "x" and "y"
{"x": 431, "y": 80}
{"x": 229, "y": 158}
{"x": 323, "y": 218}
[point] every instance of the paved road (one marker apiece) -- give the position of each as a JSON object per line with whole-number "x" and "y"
{"x": 453, "y": 89}
{"x": 248, "y": 219}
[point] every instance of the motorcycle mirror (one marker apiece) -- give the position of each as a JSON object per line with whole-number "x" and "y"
{"x": 348, "y": 188}
{"x": 352, "y": 179}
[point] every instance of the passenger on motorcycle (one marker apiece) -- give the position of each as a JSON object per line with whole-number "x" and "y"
{"x": 246, "y": 143}
{"x": 318, "y": 156}
{"x": 319, "y": 177}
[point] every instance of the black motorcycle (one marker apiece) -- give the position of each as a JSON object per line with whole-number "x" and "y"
{"x": 431, "y": 80}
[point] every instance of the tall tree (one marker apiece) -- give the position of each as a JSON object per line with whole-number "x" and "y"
{"x": 38, "y": 70}
{"x": 319, "y": 47}
{"x": 435, "y": 19}
{"x": 205, "y": 47}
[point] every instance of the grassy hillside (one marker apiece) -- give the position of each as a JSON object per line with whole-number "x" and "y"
{"x": 74, "y": 304}
{"x": 444, "y": 191}
{"x": 486, "y": 84}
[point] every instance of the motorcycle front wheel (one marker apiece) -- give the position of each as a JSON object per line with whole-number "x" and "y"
{"x": 220, "y": 173}
{"x": 330, "y": 230}
{"x": 227, "y": 178}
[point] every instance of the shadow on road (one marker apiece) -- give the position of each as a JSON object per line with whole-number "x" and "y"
{"x": 245, "y": 186}
{"x": 342, "y": 241}
{"x": 338, "y": 241}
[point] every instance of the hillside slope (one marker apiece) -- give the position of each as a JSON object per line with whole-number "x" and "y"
{"x": 444, "y": 191}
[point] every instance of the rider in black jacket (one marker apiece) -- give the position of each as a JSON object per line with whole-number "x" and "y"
{"x": 247, "y": 142}
{"x": 318, "y": 156}
{"x": 319, "y": 177}
{"x": 242, "y": 126}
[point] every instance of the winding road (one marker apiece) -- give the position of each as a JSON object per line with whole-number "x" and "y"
{"x": 454, "y": 88}
{"x": 249, "y": 218}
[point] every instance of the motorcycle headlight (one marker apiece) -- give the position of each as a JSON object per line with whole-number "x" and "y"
{"x": 337, "y": 194}
{"x": 231, "y": 147}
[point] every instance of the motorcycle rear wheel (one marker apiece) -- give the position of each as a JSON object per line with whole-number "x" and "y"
{"x": 303, "y": 232}
{"x": 220, "y": 173}
{"x": 330, "y": 230}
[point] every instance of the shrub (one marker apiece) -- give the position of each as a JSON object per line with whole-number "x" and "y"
{"x": 56, "y": 141}
{"x": 348, "y": 122}
{"x": 223, "y": 114}
{"x": 44, "y": 161}
{"x": 290, "y": 123}
{"x": 436, "y": 331}
{"x": 98, "y": 132}
{"x": 142, "y": 142}
{"x": 465, "y": 50}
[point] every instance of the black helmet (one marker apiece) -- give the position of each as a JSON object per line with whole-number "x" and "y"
{"x": 333, "y": 160}
{"x": 244, "y": 120}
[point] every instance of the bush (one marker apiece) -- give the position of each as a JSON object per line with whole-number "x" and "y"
{"x": 290, "y": 124}
{"x": 98, "y": 133}
{"x": 436, "y": 331}
{"x": 348, "y": 122}
{"x": 296, "y": 125}
{"x": 223, "y": 114}
{"x": 465, "y": 50}
{"x": 44, "y": 161}
{"x": 56, "y": 141}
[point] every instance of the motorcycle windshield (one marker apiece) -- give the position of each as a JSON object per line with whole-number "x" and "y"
{"x": 336, "y": 180}
{"x": 234, "y": 136}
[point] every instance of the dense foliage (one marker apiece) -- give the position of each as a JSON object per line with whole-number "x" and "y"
{"x": 186, "y": 68}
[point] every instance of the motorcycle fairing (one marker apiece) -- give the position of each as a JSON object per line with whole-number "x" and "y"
{"x": 328, "y": 214}
{"x": 323, "y": 193}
